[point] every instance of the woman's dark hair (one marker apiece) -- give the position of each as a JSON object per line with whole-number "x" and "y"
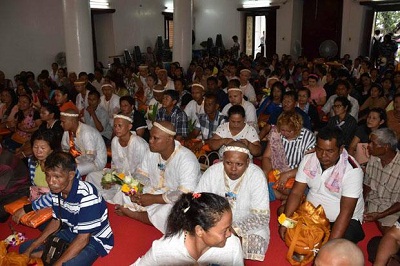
{"x": 224, "y": 81}
{"x": 26, "y": 88}
{"x": 192, "y": 209}
{"x": 64, "y": 91}
{"x": 62, "y": 160}
{"x": 127, "y": 98}
{"x": 307, "y": 90}
{"x": 173, "y": 94}
{"x": 279, "y": 85}
{"x": 20, "y": 114}
{"x": 345, "y": 102}
{"x": 14, "y": 100}
{"x": 154, "y": 77}
{"x": 236, "y": 110}
{"x": 382, "y": 115}
{"x": 379, "y": 87}
{"x": 53, "y": 109}
{"x": 49, "y": 136}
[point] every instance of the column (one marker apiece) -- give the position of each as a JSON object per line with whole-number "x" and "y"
{"x": 182, "y": 50}
{"x": 78, "y": 35}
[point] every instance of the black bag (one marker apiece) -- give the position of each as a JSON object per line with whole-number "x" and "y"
{"x": 54, "y": 246}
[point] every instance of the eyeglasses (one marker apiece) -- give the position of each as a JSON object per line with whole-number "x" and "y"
{"x": 337, "y": 105}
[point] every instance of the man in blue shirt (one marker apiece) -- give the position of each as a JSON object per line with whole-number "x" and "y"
{"x": 82, "y": 211}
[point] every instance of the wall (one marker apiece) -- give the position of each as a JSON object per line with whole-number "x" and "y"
{"x": 296, "y": 28}
{"x": 137, "y": 22}
{"x": 352, "y": 28}
{"x": 31, "y": 35}
{"x": 217, "y": 17}
{"x": 105, "y": 41}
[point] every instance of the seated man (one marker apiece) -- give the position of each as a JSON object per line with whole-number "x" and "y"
{"x": 335, "y": 182}
{"x": 83, "y": 213}
{"x": 339, "y": 252}
{"x": 83, "y": 142}
{"x": 196, "y": 106}
{"x": 96, "y": 116}
{"x": 245, "y": 186}
{"x": 382, "y": 179}
{"x": 207, "y": 123}
{"x": 236, "y": 98}
{"x": 172, "y": 113}
{"x": 127, "y": 151}
{"x": 167, "y": 170}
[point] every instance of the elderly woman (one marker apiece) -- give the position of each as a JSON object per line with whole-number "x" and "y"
{"x": 288, "y": 143}
{"x": 236, "y": 130}
{"x": 343, "y": 120}
{"x": 198, "y": 233}
{"x": 376, "y": 118}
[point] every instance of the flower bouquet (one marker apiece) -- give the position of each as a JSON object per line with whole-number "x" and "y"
{"x": 129, "y": 185}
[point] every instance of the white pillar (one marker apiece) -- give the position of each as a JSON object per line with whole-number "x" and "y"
{"x": 78, "y": 35}
{"x": 182, "y": 50}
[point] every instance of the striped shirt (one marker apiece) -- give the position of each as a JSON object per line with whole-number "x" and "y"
{"x": 207, "y": 127}
{"x": 295, "y": 149}
{"x": 177, "y": 117}
{"x": 84, "y": 211}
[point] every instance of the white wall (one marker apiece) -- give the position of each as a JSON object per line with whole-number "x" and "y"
{"x": 105, "y": 41}
{"x": 217, "y": 17}
{"x": 32, "y": 34}
{"x": 352, "y": 28}
{"x": 137, "y": 22}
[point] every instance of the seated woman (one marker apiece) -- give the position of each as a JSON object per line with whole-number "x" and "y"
{"x": 27, "y": 120}
{"x": 50, "y": 115}
{"x": 198, "y": 233}
{"x": 376, "y": 99}
{"x": 43, "y": 144}
{"x": 288, "y": 142}
{"x": 139, "y": 125}
{"x": 343, "y": 120}
{"x": 61, "y": 97}
{"x": 318, "y": 93}
{"x": 127, "y": 151}
{"x": 236, "y": 130}
{"x": 358, "y": 147}
{"x": 271, "y": 103}
{"x": 8, "y": 107}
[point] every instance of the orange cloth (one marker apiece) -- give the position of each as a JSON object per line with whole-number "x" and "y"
{"x": 68, "y": 105}
{"x": 72, "y": 149}
{"x": 15, "y": 259}
{"x": 273, "y": 176}
{"x": 14, "y": 206}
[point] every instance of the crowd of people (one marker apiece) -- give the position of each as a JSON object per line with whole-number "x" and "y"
{"x": 282, "y": 129}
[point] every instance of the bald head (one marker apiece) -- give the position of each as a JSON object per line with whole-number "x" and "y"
{"x": 162, "y": 137}
{"x": 340, "y": 252}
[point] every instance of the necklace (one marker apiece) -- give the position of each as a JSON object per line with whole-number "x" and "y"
{"x": 231, "y": 195}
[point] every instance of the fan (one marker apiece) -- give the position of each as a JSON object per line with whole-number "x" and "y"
{"x": 61, "y": 59}
{"x": 328, "y": 49}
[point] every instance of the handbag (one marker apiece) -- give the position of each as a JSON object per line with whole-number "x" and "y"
{"x": 54, "y": 246}
{"x": 312, "y": 230}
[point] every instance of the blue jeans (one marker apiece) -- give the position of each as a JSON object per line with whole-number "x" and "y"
{"x": 87, "y": 256}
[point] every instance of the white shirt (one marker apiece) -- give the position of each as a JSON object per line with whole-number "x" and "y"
{"x": 328, "y": 107}
{"x": 82, "y": 102}
{"x": 252, "y": 200}
{"x": 172, "y": 251}
{"x": 249, "y": 92}
{"x": 111, "y": 106}
{"x": 319, "y": 194}
{"x": 250, "y": 111}
{"x": 192, "y": 110}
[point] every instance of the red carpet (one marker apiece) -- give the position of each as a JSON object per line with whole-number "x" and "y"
{"x": 133, "y": 239}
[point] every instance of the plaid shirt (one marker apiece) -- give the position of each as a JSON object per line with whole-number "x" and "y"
{"x": 177, "y": 117}
{"x": 384, "y": 183}
{"x": 207, "y": 127}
